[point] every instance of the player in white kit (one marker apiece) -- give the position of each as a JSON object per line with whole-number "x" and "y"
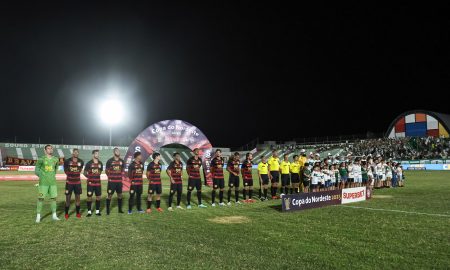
{"x": 357, "y": 175}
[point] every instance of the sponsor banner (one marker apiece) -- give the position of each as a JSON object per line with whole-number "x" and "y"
{"x": 412, "y": 168}
{"x": 426, "y": 161}
{"x": 31, "y": 177}
{"x": 60, "y": 146}
{"x": 26, "y": 168}
{"x": 415, "y": 167}
{"x": 350, "y": 195}
{"x": 25, "y": 162}
{"x": 9, "y": 168}
{"x": 167, "y": 132}
{"x": 431, "y": 167}
{"x": 302, "y": 201}
{"x": 413, "y": 162}
{"x": 20, "y": 161}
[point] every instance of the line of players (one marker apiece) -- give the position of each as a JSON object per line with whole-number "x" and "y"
{"x": 73, "y": 168}
{"x": 300, "y": 175}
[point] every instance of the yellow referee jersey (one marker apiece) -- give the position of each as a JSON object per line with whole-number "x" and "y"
{"x": 263, "y": 168}
{"x": 274, "y": 163}
{"x": 285, "y": 165}
{"x": 295, "y": 167}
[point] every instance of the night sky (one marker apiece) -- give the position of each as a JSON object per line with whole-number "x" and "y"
{"x": 235, "y": 70}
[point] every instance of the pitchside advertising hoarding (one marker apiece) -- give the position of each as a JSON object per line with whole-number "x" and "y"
{"x": 60, "y": 146}
{"x": 10, "y": 168}
{"x": 303, "y": 201}
{"x": 430, "y": 167}
{"x": 25, "y": 162}
{"x": 358, "y": 194}
{"x": 426, "y": 164}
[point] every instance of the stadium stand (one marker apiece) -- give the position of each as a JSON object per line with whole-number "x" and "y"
{"x": 413, "y": 148}
{"x": 34, "y": 151}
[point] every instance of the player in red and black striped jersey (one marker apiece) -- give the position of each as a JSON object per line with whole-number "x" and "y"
{"x": 154, "y": 184}
{"x": 92, "y": 171}
{"x": 175, "y": 171}
{"x": 73, "y": 167}
{"x": 114, "y": 170}
{"x": 233, "y": 180}
{"x": 218, "y": 178}
{"x": 246, "y": 170}
{"x": 193, "y": 166}
{"x": 135, "y": 173}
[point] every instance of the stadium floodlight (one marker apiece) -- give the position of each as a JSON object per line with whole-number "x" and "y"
{"x": 111, "y": 113}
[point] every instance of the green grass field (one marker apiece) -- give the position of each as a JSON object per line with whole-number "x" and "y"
{"x": 261, "y": 237}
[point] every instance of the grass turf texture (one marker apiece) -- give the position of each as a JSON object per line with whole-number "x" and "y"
{"x": 254, "y": 236}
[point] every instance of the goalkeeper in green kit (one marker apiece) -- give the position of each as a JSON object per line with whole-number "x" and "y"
{"x": 46, "y": 168}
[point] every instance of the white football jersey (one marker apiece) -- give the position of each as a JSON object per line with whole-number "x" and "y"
{"x": 350, "y": 171}
{"x": 357, "y": 170}
{"x": 380, "y": 169}
{"x": 315, "y": 177}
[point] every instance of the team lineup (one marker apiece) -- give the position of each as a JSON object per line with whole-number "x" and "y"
{"x": 303, "y": 174}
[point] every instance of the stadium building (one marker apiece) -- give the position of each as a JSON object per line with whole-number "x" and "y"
{"x": 419, "y": 123}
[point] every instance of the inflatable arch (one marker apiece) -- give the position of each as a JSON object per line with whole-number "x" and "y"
{"x": 168, "y": 132}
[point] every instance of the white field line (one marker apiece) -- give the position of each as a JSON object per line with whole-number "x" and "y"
{"x": 396, "y": 211}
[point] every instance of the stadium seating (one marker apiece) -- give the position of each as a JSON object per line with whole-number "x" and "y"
{"x": 402, "y": 149}
{"x": 105, "y": 154}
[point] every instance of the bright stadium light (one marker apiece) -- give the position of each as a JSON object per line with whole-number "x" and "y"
{"x": 111, "y": 113}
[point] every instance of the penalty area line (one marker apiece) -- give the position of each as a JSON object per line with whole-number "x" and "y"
{"x": 392, "y": 210}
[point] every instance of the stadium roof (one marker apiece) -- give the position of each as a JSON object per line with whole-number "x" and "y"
{"x": 419, "y": 123}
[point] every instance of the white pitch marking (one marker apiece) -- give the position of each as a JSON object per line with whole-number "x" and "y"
{"x": 397, "y": 211}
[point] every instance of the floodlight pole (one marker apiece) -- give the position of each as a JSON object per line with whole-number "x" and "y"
{"x": 110, "y": 135}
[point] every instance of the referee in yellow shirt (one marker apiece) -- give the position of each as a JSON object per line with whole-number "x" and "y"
{"x": 274, "y": 172}
{"x": 285, "y": 176}
{"x": 263, "y": 175}
{"x": 295, "y": 174}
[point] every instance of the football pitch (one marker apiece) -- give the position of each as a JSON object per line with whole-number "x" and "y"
{"x": 399, "y": 228}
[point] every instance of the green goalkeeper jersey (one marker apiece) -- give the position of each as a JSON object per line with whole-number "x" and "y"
{"x": 46, "y": 169}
